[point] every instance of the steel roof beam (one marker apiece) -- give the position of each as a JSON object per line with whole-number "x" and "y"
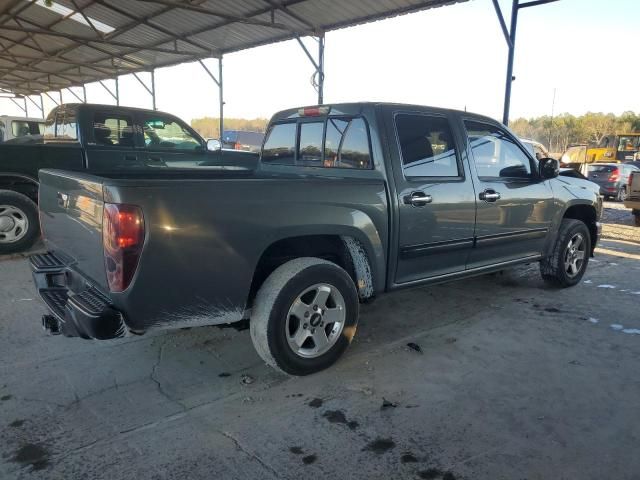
{"x": 226, "y": 16}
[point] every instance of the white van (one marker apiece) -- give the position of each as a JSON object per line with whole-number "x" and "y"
{"x": 20, "y": 128}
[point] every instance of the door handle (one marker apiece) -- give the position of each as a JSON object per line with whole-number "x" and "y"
{"x": 417, "y": 199}
{"x": 489, "y": 195}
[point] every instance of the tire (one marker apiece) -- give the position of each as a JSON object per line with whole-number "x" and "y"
{"x": 622, "y": 194}
{"x": 637, "y": 219}
{"x": 563, "y": 267}
{"x": 284, "y": 325}
{"x": 19, "y": 223}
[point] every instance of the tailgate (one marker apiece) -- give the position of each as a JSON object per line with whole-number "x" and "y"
{"x": 71, "y": 206}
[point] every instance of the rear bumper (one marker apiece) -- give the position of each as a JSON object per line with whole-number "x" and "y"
{"x": 633, "y": 204}
{"x": 84, "y": 312}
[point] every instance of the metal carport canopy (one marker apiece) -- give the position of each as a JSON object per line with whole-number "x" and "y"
{"x": 74, "y": 42}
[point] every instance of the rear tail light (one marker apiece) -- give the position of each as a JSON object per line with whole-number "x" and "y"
{"x": 122, "y": 240}
{"x": 614, "y": 176}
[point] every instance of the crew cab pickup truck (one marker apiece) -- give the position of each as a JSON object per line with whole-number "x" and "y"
{"x": 100, "y": 139}
{"x": 347, "y": 202}
{"x": 632, "y": 200}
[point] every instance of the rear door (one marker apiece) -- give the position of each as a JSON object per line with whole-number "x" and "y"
{"x": 112, "y": 142}
{"x": 514, "y": 205}
{"x": 435, "y": 196}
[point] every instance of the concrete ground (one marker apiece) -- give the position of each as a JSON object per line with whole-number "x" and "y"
{"x": 511, "y": 381}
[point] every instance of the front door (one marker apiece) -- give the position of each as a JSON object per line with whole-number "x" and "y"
{"x": 169, "y": 142}
{"x": 435, "y": 197}
{"x": 514, "y": 205}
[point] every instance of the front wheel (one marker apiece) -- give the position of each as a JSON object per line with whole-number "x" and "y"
{"x": 568, "y": 260}
{"x": 19, "y": 226}
{"x": 304, "y": 316}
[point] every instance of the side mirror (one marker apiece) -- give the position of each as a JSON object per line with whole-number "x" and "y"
{"x": 213, "y": 144}
{"x": 548, "y": 168}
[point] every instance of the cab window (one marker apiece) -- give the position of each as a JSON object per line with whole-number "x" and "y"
{"x": 280, "y": 145}
{"x": 168, "y": 134}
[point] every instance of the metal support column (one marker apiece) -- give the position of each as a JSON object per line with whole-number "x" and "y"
{"x": 26, "y": 110}
{"x": 39, "y": 107}
{"x": 60, "y": 95}
{"x": 42, "y": 105}
{"x": 113, "y": 95}
{"x": 512, "y": 50}
{"x": 221, "y": 99}
{"x": 317, "y": 80}
{"x": 84, "y": 93}
{"x": 510, "y": 37}
{"x": 152, "y": 90}
{"x": 74, "y": 94}
{"x": 218, "y": 82}
{"x": 51, "y": 98}
{"x": 117, "y": 92}
{"x": 21, "y": 107}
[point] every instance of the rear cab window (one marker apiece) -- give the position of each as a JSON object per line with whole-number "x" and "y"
{"x": 332, "y": 142}
{"x": 61, "y": 126}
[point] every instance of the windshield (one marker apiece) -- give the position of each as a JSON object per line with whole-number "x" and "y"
{"x": 602, "y": 168}
{"x": 628, "y": 143}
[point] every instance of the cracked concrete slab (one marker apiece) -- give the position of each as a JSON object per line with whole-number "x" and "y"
{"x": 513, "y": 380}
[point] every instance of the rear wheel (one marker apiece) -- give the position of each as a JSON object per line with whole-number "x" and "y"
{"x": 304, "y": 316}
{"x": 568, "y": 260}
{"x": 19, "y": 226}
{"x": 637, "y": 218}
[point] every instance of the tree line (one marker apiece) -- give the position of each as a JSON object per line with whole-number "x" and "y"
{"x": 209, "y": 127}
{"x": 560, "y": 132}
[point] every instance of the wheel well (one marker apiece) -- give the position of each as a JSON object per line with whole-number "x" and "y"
{"x": 586, "y": 214}
{"x": 22, "y": 185}
{"x": 328, "y": 247}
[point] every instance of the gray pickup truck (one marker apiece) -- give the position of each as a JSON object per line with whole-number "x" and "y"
{"x": 348, "y": 201}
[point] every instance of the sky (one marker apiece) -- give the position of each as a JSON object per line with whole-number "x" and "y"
{"x": 455, "y": 57}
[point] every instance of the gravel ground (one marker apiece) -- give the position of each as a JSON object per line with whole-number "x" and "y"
{"x": 618, "y": 223}
{"x": 504, "y": 379}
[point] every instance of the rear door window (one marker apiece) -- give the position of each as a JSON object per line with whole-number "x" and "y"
{"x": 113, "y": 130}
{"x": 427, "y": 146}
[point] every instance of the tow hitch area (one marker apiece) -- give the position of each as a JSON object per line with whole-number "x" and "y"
{"x": 86, "y": 314}
{"x": 51, "y": 325}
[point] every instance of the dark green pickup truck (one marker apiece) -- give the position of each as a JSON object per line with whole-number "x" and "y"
{"x": 348, "y": 201}
{"x": 97, "y": 139}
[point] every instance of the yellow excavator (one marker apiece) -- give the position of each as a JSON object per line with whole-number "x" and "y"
{"x": 623, "y": 147}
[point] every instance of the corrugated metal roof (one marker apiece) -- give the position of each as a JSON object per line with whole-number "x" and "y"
{"x": 73, "y": 42}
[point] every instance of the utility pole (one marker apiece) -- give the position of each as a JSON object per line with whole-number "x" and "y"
{"x": 553, "y": 104}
